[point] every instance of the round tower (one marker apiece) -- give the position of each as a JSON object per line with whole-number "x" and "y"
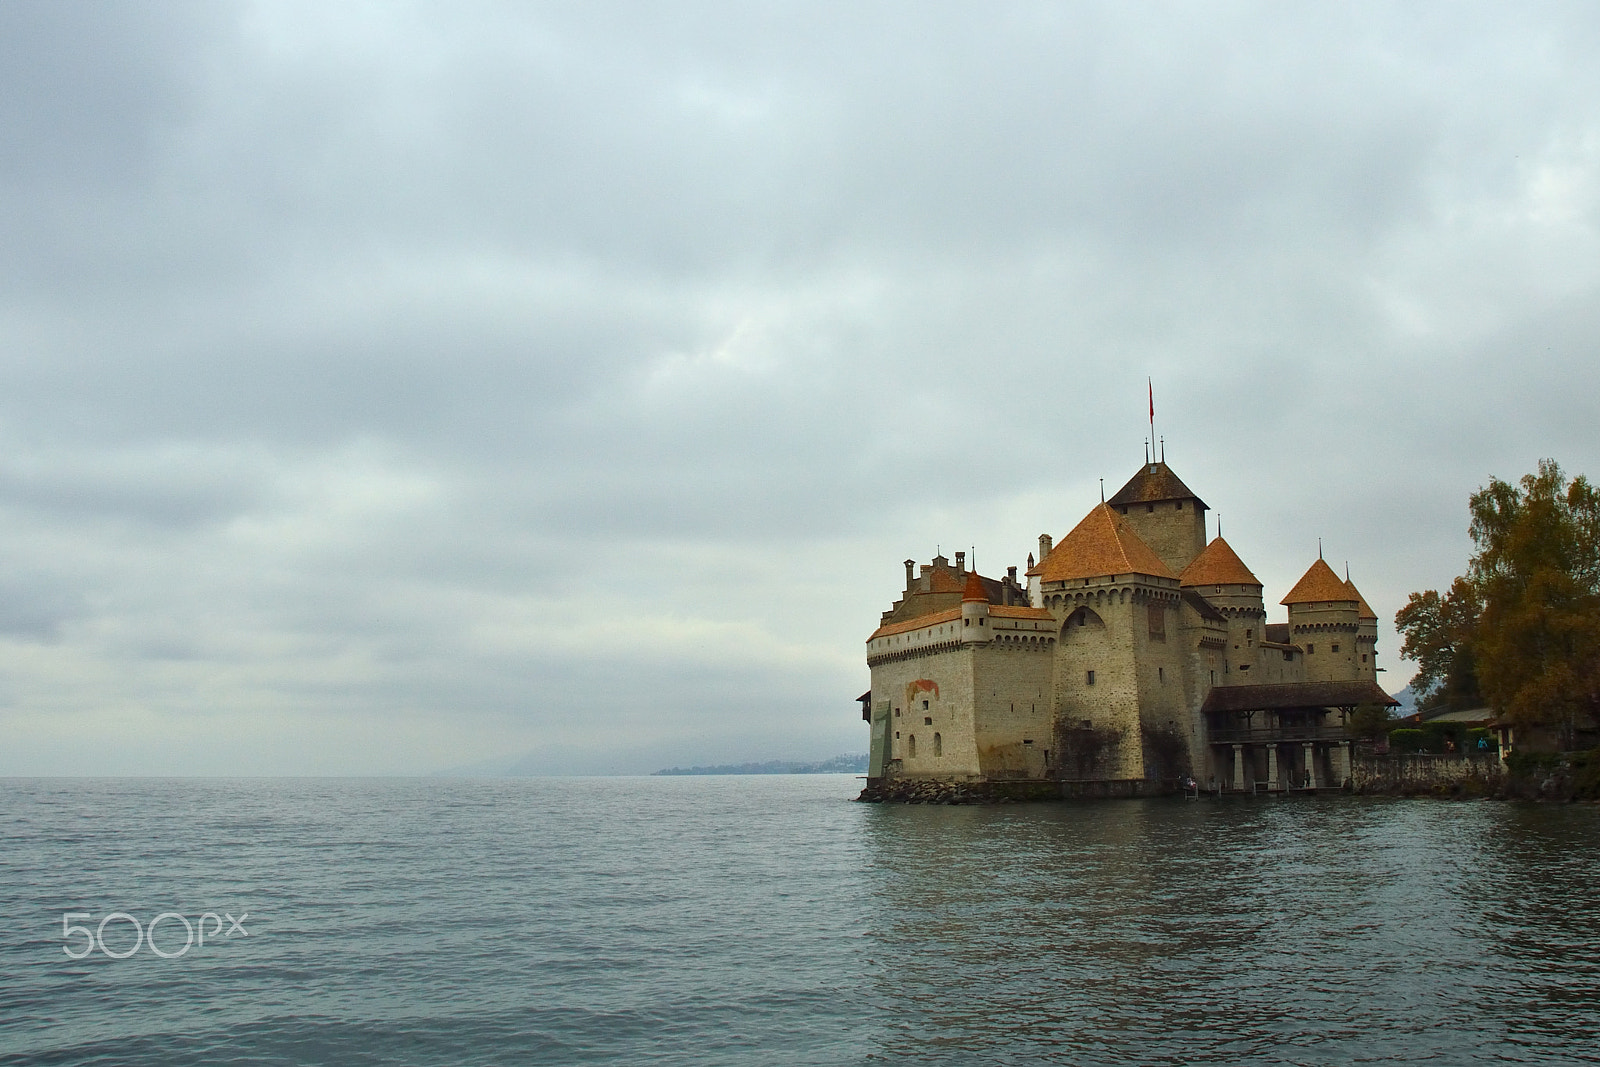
{"x": 1324, "y": 620}
{"x": 974, "y": 610}
{"x": 1220, "y": 576}
{"x": 1366, "y": 634}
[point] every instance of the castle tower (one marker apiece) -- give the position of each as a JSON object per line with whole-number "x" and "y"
{"x": 1165, "y": 515}
{"x": 1118, "y": 680}
{"x": 1366, "y": 636}
{"x": 1324, "y": 620}
{"x": 1219, "y": 575}
{"x": 975, "y": 612}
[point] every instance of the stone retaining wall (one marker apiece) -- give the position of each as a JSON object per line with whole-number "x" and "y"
{"x": 945, "y": 791}
{"x": 1426, "y": 774}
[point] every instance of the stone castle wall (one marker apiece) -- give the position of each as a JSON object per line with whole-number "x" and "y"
{"x": 1328, "y": 632}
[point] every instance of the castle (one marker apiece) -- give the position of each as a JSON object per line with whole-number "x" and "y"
{"x": 1137, "y": 655}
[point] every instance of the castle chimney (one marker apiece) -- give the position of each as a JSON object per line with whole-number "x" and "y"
{"x": 961, "y": 562}
{"x": 1045, "y": 544}
{"x": 1011, "y": 572}
{"x": 910, "y": 572}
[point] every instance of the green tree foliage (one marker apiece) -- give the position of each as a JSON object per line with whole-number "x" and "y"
{"x": 1522, "y": 627}
{"x": 1439, "y": 635}
{"x": 1371, "y": 720}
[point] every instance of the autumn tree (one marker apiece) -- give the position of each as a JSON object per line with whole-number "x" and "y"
{"x": 1439, "y": 635}
{"x": 1522, "y": 626}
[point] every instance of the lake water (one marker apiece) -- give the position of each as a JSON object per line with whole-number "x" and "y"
{"x": 768, "y": 920}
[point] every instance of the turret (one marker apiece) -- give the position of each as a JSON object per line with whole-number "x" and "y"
{"x": 1324, "y": 620}
{"x": 1220, "y": 576}
{"x": 974, "y": 611}
{"x": 1366, "y": 634}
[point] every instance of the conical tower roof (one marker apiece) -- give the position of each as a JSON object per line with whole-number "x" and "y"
{"x": 1218, "y": 564}
{"x": 1320, "y": 583}
{"x": 974, "y": 589}
{"x": 1102, "y": 544}
{"x": 1365, "y": 611}
{"x": 1154, "y": 482}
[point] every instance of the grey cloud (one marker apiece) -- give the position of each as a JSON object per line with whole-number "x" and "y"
{"x": 447, "y": 381}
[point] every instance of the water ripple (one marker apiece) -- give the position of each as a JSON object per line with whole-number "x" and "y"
{"x": 767, "y": 920}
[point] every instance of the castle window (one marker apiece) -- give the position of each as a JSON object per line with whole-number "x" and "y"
{"x": 1249, "y": 635}
{"x": 897, "y": 735}
{"x": 1178, "y": 506}
{"x": 897, "y": 715}
{"x": 1157, "y": 615}
{"x": 1027, "y": 740}
{"x": 1288, "y": 655}
{"x": 927, "y": 720}
{"x": 911, "y": 745}
{"x": 938, "y": 745}
{"x": 1363, "y": 657}
{"x": 1336, "y": 648}
{"x": 1244, "y": 666}
{"x": 924, "y": 705}
{"x": 966, "y": 622}
{"x": 1151, "y": 508}
{"x": 1088, "y": 678}
{"x": 1213, "y": 677}
{"x": 1311, "y": 650}
{"x": 1161, "y": 675}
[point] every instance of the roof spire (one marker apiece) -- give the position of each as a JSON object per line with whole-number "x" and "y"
{"x": 1347, "y": 570}
{"x": 1319, "y": 548}
{"x": 1102, "y": 490}
{"x": 1163, "y": 448}
{"x": 1219, "y": 524}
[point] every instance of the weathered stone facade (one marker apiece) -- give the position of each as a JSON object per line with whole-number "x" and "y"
{"x": 1100, "y": 676}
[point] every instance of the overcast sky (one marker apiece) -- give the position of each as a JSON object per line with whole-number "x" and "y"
{"x": 388, "y": 388}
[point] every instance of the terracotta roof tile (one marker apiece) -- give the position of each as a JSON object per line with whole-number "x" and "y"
{"x": 1218, "y": 564}
{"x": 1365, "y": 611}
{"x": 1017, "y": 611}
{"x": 1154, "y": 482}
{"x": 918, "y": 623}
{"x": 1102, "y": 544}
{"x": 1320, "y": 583}
{"x": 973, "y": 590}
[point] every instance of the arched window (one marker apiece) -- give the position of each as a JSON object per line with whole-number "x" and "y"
{"x": 938, "y": 745}
{"x": 911, "y": 744}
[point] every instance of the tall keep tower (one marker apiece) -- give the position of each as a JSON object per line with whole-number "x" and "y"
{"x": 1164, "y": 513}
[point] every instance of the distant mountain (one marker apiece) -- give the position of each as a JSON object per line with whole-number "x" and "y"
{"x": 1407, "y": 699}
{"x": 836, "y": 765}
